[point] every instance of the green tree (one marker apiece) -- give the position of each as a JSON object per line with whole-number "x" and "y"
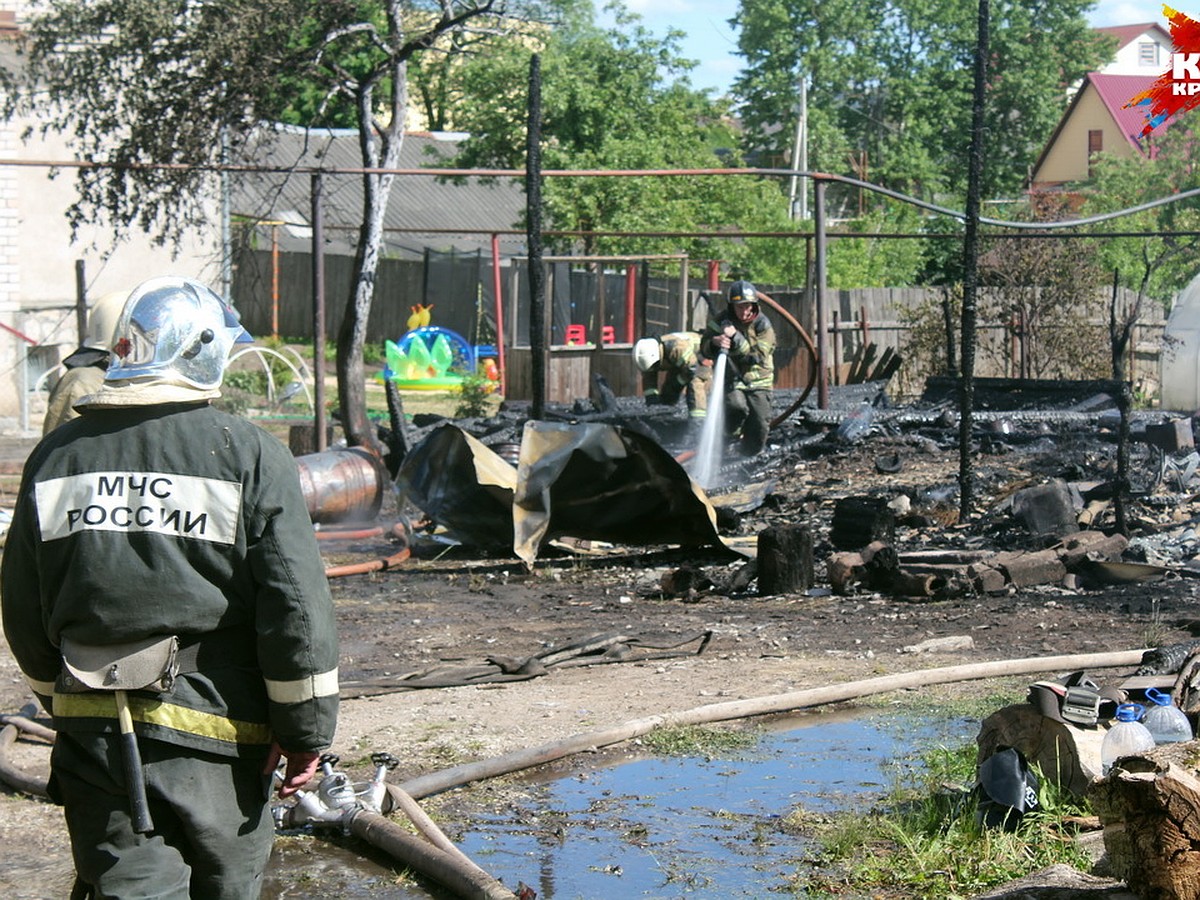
{"x": 152, "y": 91}
{"x": 856, "y": 262}
{"x": 891, "y": 83}
{"x": 1161, "y": 263}
{"x": 614, "y": 99}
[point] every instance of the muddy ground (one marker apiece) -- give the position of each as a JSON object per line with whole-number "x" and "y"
{"x": 450, "y": 611}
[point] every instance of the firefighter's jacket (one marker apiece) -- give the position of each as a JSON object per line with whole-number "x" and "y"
{"x": 84, "y": 375}
{"x": 686, "y": 370}
{"x": 175, "y": 519}
{"x": 751, "y": 352}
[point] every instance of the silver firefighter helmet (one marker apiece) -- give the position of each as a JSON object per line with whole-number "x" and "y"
{"x": 174, "y": 330}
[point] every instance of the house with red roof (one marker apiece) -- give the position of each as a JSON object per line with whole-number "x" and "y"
{"x": 1096, "y": 119}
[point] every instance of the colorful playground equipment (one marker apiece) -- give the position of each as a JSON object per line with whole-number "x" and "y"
{"x": 432, "y": 358}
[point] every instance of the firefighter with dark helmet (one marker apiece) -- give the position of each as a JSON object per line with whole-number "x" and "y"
{"x": 161, "y": 583}
{"x": 746, "y": 335}
{"x": 674, "y": 360}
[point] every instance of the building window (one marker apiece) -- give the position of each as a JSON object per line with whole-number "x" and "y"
{"x": 1095, "y": 145}
{"x": 1147, "y": 53}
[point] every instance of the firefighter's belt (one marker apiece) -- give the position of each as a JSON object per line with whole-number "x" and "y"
{"x": 149, "y": 664}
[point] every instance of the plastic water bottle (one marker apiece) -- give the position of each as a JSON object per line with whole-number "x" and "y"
{"x": 1166, "y": 721}
{"x": 1126, "y": 736}
{"x": 858, "y": 423}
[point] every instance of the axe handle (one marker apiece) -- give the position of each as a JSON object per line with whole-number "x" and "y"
{"x": 135, "y": 779}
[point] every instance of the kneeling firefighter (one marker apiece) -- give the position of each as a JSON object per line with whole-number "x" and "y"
{"x": 684, "y": 371}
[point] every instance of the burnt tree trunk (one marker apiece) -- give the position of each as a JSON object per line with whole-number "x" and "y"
{"x": 857, "y": 521}
{"x": 785, "y": 559}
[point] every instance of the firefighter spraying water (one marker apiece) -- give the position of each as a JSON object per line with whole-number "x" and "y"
{"x": 742, "y": 342}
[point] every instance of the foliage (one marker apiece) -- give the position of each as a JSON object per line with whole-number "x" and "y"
{"x": 926, "y": 841}
{"x": 890, "y": 84}
{"x": 615, "y": 99}
{"x": 156, "y": 93}
{"x": 474, "y": 393}
{"x": 1064, "y": 324}
{"x": 872, "y": 261}
{"x": 698, "y": 740}
{"x": 1054, "y": 298}
{"x": 242, "y": 390}
{"x": 436, "y": 79}
{"x": 943, "y": 252}
{"x": 1161, "y": 264}
{"x": 928, "y": 350}
{"x": 1041, "y": 311}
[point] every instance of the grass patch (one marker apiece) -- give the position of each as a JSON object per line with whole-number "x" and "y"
{"x": 698, "y": 740}
{"x": 925, "y": 842}
{"x": 951, "y": 702}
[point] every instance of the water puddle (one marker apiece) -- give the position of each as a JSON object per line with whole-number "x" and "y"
{"x": 655, "y": 826}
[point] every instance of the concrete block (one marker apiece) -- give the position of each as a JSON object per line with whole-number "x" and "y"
{"x": 1025, "y": 569}
{"x": 1046, "y": 509}
{"x": 1171, "y": 436}
{"x": 987, "y": 579}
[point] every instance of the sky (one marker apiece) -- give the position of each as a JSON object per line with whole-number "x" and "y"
{"x": 713, "y": 43}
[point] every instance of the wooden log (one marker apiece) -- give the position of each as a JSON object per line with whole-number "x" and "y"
{"x": 881, "y": 566}
{"x": 986, "y": 580}
{"x": 1149, "y": 807}
{"x": 1066, "y": 754}
{"x": 1091, "y": 545}
{"x": 785, "y": 559}
{"x": 845, "y": 571}
{"x": 910, "y": 584}
{"x": 302, "y": 439}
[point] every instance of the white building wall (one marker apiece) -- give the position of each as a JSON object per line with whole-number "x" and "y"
{"x": 38, "y": 258}
{"x": 1130, "y": 59}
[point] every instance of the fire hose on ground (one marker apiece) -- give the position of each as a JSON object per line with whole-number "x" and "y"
{"x": 360, "y": 808}
{"x": 356, "y": 808}
{"x": 401, "y": 532}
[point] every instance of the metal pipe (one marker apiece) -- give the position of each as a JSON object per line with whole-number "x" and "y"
{"x": 499, "y": 306}
{"x": 819, "y": 278}
{"x": 318, "y": 270}
{"x": 630, "y": 298}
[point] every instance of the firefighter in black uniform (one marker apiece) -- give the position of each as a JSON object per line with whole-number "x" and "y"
{"x": 161, "y": 582}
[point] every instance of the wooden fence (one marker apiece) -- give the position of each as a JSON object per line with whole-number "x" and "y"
{"x": 868, "y": 328}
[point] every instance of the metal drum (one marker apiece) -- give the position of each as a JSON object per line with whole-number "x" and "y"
{"x": 342, "y": 485}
